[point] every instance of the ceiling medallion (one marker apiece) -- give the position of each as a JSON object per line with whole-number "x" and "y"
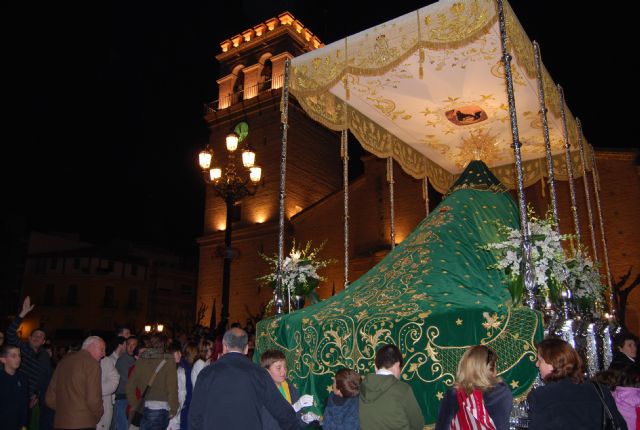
{"x": 466, "y": 115}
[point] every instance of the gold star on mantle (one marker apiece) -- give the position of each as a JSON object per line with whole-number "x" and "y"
{"x": 330, "y": 388}
{"x": 439, "y": 395}
{"x": 459, "y": 321}
{"x": 514, "y": 384}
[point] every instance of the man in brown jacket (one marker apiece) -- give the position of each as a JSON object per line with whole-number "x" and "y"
{"x": 75, "y": 391}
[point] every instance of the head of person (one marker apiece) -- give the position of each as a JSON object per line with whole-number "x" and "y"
{"x": 558, "y": 360}
{"x": 477, "y": 369}
{"x": 626, "y": 343}
{"x": 94, "y": 345}
{"x": 132, "y": 344}
{"x": 10, "y": 358}
{"x": 37, "y": 339}
{"x": 346, "y": 383}
{"x": 389, "y": 358}
{"x": 190, "y": 352}
{"x": 123, "y": 332}
{"x": 611, "y": 378}
{"x": 629, "y": 377}
{"x": 118, "y": 345}
{"x": 205, "y": 350}
{"x": 175, "y": 349}
{"x": 235, "y": 340}
{"x": 158, "y": 340}
{"x": 275, "y": 363}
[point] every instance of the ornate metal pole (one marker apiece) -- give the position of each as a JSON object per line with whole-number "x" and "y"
{"x": 583, "y": 160}
{"x": 567, "y": 151}
{"x": 425, "y": 193}
{"x": 392, "y": 219}
{"x": 526, "y": 268}
{"x": 545, "y": 133}
{"x": 596, "y": 187}
{"x": 284, "y": 119}
{"x": 226, "y": 267}
{"x": 344, "y": 152}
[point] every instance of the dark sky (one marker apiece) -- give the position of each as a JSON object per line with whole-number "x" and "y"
{"x": 103, "y": 118}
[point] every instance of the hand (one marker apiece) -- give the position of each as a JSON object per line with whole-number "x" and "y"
{"x": 310, "y": 417}
{"x": 26, "y": 307}
{"x": 303, "y": 402}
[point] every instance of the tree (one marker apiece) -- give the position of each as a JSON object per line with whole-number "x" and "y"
{"x": 621, "y": 295}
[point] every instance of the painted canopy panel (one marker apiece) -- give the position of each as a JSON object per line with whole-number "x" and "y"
{"x": 428, "y": 89}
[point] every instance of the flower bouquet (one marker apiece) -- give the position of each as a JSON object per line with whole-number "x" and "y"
{"x": 584, "y": 280}
{"x": 299, "y": 272}
{"x": 547, "y": 256}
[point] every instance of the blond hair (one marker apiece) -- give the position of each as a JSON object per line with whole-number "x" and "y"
{"x": 477, "y": 370}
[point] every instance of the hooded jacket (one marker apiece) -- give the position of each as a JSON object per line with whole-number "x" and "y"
{"x": 627, "y": 400}
{"x": 387, "y": 403}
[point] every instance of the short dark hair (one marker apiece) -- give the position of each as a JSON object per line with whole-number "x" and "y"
{"x": 44, "y": 332}
{"x": 348, "y": 382}
{"x": 621, "y": 338}
{"x": 565, "y": 360}
{"x": 236, "y": 339}
{"x": 387, "y": 356}
{"x": 5, "y": 348}
{"x": 120, "y": 329}
{"x": 158, "y": 341}
{"x": 270, "y": 356}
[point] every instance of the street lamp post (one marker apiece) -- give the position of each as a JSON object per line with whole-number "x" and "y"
{"x": 231, "y": 186}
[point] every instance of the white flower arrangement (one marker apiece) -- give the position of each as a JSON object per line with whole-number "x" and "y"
{"x": 547, "y": 256}
{"x": 584, "y": 280}
{"x": 299, "y": 271}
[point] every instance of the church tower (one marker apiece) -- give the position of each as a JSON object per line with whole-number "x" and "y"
{"x": 250, "y": 88}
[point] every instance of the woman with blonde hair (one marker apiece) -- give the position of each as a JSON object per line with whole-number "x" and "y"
{"x": 479, "y": 398}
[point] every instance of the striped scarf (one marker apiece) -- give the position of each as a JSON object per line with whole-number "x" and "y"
{"x": 472, "y": 415}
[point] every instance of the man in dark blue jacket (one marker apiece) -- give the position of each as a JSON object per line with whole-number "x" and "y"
{"x": 231, "y": 392}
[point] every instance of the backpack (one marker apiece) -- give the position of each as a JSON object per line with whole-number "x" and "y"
{"x": 472, "y": 414}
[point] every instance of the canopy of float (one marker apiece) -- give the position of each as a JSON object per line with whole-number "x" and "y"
{"x": 433, "y": 296}
{"x": 428, "y": 89}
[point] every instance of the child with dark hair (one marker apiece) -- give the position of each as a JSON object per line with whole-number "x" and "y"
{"x": 386, "y": 402}
{"x": 14, "y": 390}
{"x": 341, "y": 412}
{"x": 625, "y": 350}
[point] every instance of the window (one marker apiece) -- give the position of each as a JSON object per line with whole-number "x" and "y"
{"x": 72, "y": 295}
{"x": 53, "y": 264}
{"x": 132, "y": 302}
{"x": 76, "y": 264}
{"x": 134, "y": 270}
{"x": 49, "y": 295}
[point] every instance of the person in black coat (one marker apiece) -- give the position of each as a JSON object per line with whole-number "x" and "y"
{"x": 566, "y": 401}
{"x": 230, "y": 393}
{"x": 477, "y": 371}
{"x": 625, "y": 350}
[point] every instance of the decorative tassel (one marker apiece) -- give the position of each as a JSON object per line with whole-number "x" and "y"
{"x": 543, "y": 186}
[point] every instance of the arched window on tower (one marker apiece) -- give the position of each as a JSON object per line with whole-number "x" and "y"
{"x": 265, "y": 76}
{"x": 238, "y": 87}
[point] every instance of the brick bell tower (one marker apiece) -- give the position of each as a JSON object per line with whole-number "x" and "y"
{"x": 250, "y": 88}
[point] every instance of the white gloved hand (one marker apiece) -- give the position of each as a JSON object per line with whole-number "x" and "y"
{"x": 309, "y": 417}
{"x": 303, "y": 402}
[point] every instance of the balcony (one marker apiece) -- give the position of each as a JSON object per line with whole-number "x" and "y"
{"x": 248, "y": 93}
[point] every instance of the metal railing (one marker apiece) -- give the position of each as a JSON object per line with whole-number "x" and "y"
{"x": 250, "y": 92}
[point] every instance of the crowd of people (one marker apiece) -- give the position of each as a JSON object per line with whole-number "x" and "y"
{"x": 156, "y": 383}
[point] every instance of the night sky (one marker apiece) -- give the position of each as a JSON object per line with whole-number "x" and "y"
{"x": 103, "y": 118}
